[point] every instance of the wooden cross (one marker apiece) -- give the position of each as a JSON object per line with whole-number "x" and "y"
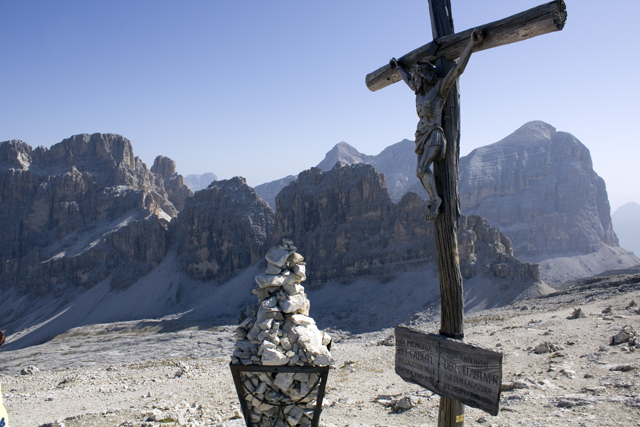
{"x": 443, "y": 50}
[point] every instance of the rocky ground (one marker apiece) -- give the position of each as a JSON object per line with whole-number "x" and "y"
{"x": 557, "y": 370}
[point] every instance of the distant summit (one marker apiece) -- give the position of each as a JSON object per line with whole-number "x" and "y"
{"x": 197, "y": 182}
{"x": 538, "y": 187}
{"x": 344, "y": 154}
{"x": 626, "y": 222}
{"x": 397, "y": 162}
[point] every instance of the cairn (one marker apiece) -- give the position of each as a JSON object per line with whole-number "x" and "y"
{"x": 279, "y": 332}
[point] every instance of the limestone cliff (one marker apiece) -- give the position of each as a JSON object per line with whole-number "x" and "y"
{"x": 397, "y": 162}
{"x": 538, "y": 187}
{"x": 177, "y": 190}
{"x": 222, "y": 230}
{"x": 346, "y": 223}
{"x": 78, "y": 212}
{"x": 269, "y": 190}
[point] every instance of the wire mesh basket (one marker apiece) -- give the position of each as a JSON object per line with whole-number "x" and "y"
{"x": 280, "y": 406}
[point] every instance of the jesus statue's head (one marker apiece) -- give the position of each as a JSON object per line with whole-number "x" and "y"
{"x": 423, "y": 75}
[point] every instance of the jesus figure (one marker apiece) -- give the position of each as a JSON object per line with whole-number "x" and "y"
{"x": 431, "y": 96}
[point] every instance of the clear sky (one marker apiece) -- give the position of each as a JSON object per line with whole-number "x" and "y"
{"x": 263, "y": 89}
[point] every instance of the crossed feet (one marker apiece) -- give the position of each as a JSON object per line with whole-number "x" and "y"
{"x": 432, "y": 209}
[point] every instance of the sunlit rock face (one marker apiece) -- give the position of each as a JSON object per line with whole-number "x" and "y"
{"x": 346, "y": 223}
{"x": 222, "y": 230}
{"x": 177, "y": 190}
{"x": 397, "y": 162}
{"x": 78, "y": 212}
{"x": 538, "y": 186}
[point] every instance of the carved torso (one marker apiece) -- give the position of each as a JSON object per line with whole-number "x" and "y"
{"x": 429, "y": 106}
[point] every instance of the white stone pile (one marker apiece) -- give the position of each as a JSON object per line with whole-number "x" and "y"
{"x": 279, "y": 332}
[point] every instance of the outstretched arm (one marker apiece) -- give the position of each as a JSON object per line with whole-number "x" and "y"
{"x": 406, "y": 77}
{"x": 455, "y": 72}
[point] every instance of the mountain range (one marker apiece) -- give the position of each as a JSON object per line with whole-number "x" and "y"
{"x": 197, "y": 182}
{"x": 536, "y": 185}
{"x": 397, "y": 162}
{"x": 93, "y": 236}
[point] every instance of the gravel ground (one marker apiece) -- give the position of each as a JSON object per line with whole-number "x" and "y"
{"x": 168, "y": 373}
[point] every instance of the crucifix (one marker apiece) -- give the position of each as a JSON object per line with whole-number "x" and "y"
{"x": 438, "y": 139}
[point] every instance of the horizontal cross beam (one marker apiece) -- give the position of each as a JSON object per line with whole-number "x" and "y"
{"x": 534, "y": 22}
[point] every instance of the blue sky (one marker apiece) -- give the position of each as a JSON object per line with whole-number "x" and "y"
{"x": 263, "y": 89}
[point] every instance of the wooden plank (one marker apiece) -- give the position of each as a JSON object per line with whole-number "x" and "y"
{"x": 451, "y": 410}
{"x": 450, "y": 368}
{"x": 534, "y": 22}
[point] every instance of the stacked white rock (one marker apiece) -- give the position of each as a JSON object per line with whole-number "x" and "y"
{"x": 279, "y": 332}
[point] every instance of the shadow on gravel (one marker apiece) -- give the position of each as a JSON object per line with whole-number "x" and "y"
{"x": 136, "y": 327}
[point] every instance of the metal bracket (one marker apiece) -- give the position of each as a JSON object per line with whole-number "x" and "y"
{"x": 321, "y": 383}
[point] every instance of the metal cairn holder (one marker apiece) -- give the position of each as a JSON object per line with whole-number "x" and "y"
{"x": 321, "y": 383}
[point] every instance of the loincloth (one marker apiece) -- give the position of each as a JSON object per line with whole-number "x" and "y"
{"x": 423, "y": 137}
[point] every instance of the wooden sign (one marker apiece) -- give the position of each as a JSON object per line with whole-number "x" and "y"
{"x": 450, "y": 368}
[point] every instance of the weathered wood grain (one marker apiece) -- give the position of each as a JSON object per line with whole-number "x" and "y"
{"x": 451, "y": 411}
{"x": 534, "y": 22}
{"x": 450, "y": 368}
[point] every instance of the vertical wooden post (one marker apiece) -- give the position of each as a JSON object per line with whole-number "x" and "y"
{"x": 451, "y": 412}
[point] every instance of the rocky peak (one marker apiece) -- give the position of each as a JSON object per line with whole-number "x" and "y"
{"x": 177, "y": 191}
{"x": 539, "y": 187}
{"x": 535, "y": 129}
{"x": 346, "y": 222}
{"x": 342, "y": 153}
{"x": 164, "y": 166}
{"x": 15, "y": 154}
{"x": 101, "y": 150}
{"x": 198, "y": 182}
{"x": 78, "y": 212}
{"x": 221, "y": 230}
{"x": 235, "y": 183}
